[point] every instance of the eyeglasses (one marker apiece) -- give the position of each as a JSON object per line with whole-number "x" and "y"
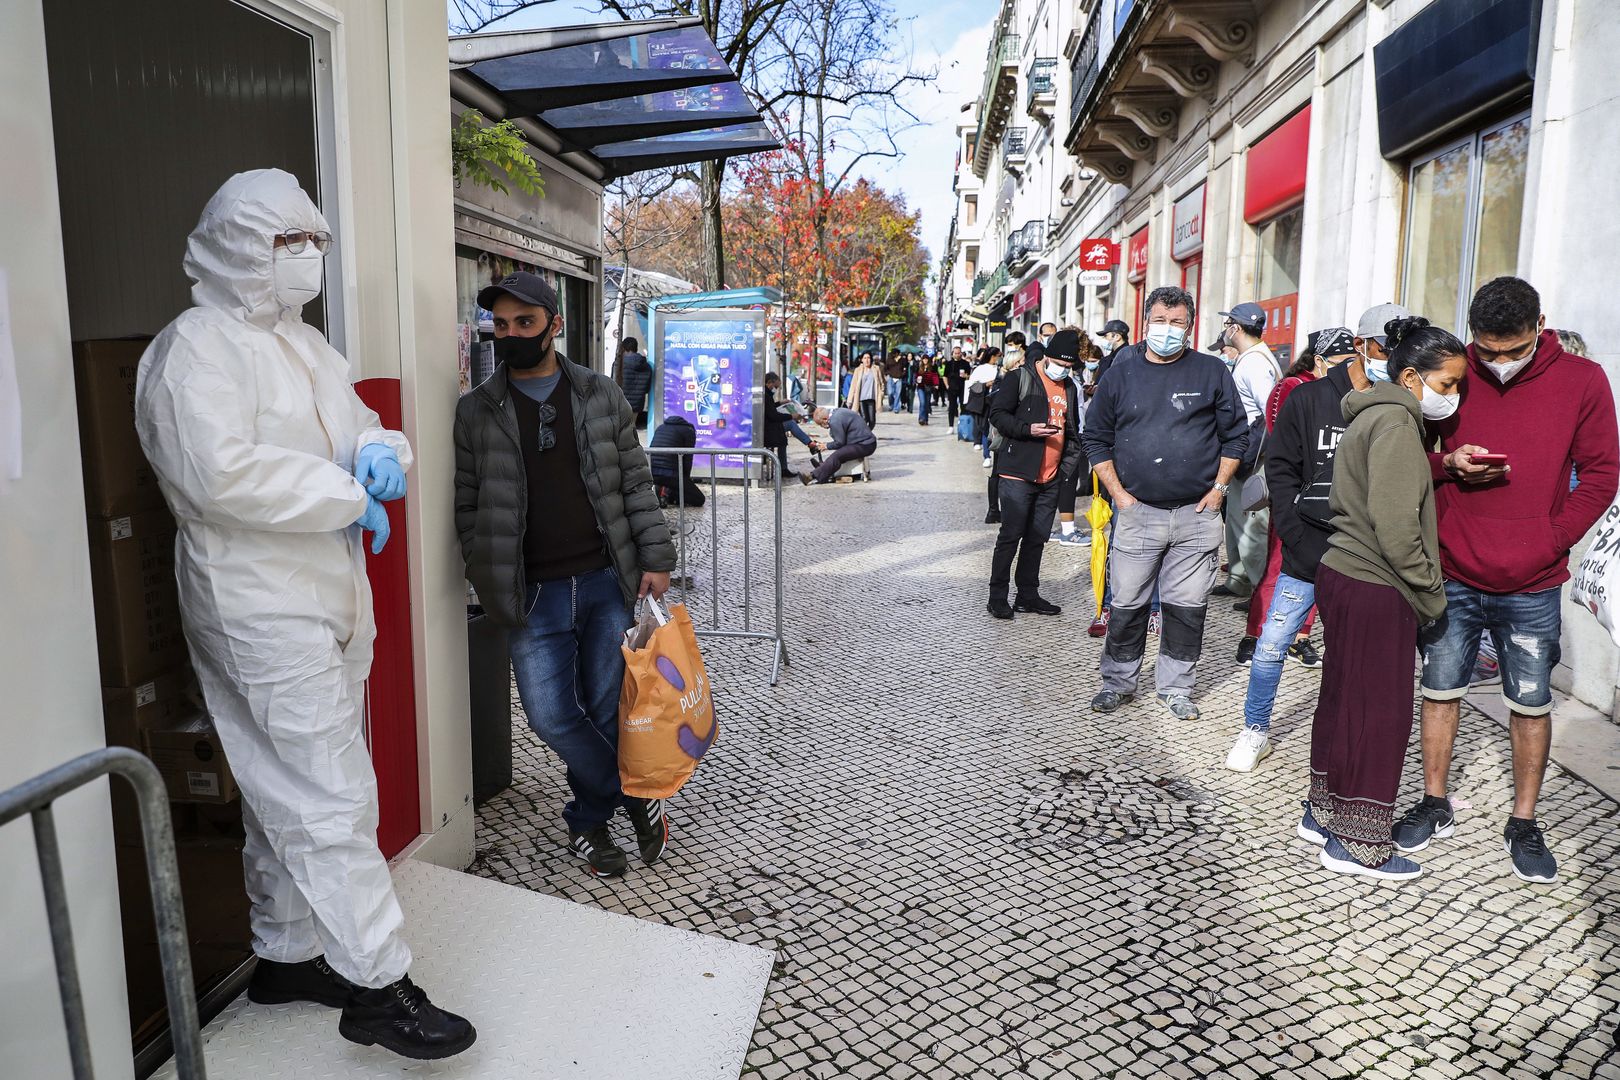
{"x": 297, "y": 240}
{"x": 548, "y": 434}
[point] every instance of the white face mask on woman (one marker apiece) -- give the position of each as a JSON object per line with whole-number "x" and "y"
{"x": 1435, "y": 405}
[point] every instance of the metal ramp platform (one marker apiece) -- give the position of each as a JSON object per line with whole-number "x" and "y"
{"x": 558, "y": 991}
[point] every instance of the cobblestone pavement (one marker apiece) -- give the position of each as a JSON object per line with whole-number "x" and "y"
{"x": 964, "y": 873}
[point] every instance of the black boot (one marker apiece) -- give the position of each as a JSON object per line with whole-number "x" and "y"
{"x": 402, "y": 1019}
{"x": 311, "y": 980}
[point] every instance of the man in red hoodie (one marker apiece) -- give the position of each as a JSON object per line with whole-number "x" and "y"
{"x": 1507, "y": 523}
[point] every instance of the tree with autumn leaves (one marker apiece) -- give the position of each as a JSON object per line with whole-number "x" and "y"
{"x": 856, "y": 246}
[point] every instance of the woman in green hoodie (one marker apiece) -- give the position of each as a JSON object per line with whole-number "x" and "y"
{"x": 1379, "y": 581}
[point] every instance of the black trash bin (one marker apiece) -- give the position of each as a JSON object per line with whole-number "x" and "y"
{"x": 490, "y": 678}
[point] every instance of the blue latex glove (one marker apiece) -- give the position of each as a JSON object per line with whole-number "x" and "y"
{"x": 377, "y": 467}
{"x": 375, "y": 522}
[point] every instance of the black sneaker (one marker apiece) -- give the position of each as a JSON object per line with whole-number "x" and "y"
{"x": 597, "y": 848}
{"x": 652, "y": 828}
{"x": 402, "y": 1019}
{"x": 1000, "y": 609}
{"x": 1223, "y": 589}
{"x": 1109, "y": 700}
{"x": 311, "y": 980}
{"x": 1245, "y": 654}
{"x": 1036, "y": 606}
{"x": 1531, "y": 859}
{"x": 1430, "y": 819}
{"x": 1304, "y": 654}
{"x": 1241, "y": 605}
{"x": 992, "y": 517}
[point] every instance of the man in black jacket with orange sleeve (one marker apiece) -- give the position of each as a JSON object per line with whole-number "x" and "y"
{"x": 1036, "y": 410}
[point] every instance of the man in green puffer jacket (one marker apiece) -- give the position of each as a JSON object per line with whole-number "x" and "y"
{"x": 561, "y": 532}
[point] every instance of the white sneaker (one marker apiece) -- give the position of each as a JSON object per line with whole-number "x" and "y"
{"x": 1252, "y": 747}
{"x": 986, "y": 463}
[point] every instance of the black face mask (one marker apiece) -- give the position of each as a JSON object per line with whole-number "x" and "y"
{"x": 523, "y": 353}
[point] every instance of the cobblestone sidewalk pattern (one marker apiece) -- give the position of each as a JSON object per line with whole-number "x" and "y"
{"x": 964, "y": 873}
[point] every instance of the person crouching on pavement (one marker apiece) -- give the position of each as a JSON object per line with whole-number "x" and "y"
{"x": 1037, "y": 411}
{"x": 852, "y": 439}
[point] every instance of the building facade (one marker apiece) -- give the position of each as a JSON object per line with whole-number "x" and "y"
{"x": 1314, "y": 156}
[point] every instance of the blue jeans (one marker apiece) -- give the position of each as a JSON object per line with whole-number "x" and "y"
{"x": 923, "y": 406}
{"x": 569, "y": 671}
{"x": 983, "y": 423}
{"x": 1291, "y": 604}
{"x": 1525, "y": 628}
{"x": 894, "y": 395}
{"x": 792, "y": 427}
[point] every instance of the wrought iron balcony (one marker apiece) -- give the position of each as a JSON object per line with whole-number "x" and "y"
{"x": 996, "y": 98}
{"x": 1013, "y": 146}
{"x": 1042, "y": 87}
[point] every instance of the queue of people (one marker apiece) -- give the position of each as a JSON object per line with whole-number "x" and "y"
{"x": 1415, "y": 495}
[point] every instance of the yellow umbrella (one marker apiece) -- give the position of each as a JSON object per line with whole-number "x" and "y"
{"x": 1099, "y": 514}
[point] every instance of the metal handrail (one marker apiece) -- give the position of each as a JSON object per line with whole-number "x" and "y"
{"x": 35, "y": 797}
{"x": 779, "y": 656}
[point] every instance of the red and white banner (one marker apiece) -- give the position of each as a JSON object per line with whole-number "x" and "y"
{"x": 1029, "y": 296}
{"x": 1136, "y": 264}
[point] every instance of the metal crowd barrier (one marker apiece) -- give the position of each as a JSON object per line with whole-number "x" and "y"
{"x": 162, "y": 872}
{"x": 684, "y": 581}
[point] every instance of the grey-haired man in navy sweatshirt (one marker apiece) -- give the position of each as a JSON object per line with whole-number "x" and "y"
{"x": 1164, "y": 433}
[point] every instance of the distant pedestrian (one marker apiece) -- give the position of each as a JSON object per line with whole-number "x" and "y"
{"x": 1164, "y": 434}
{"x": 1036, "y": 410}
{"x": 894, "y": 377}
{"x": 927, "y": 387}
{"x": 1068, "y": 533}
{"x": 976, "y": 399}
{"x": 863, "y": 389}
{"x": 1379, "y": 581}
{"x": 672, "y": 473}
{"x": 635, "y": 376}
{"x": 957, "y": 370}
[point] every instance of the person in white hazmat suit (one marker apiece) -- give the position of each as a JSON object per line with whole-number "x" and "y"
{"x": 273, "y": 467}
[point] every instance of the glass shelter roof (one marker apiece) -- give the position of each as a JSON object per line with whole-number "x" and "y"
{"x": 634, "y": 95}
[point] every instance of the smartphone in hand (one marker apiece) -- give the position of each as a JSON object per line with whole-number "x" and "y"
{"x": 1488, "y": 459}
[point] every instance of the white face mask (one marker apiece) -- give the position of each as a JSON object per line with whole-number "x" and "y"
{"x": 297, "y": 279}
{"x": 1108, "y": 347}
{"x": 1435, "y": 405}
{"x": 1504, "y": 372}
{"x": 1057, "y": 372}
{"x": 1166, "y": 340}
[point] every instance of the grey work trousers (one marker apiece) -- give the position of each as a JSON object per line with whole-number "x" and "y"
{"x": 1246, "y": 547}
{"x": 1175, "y": 549}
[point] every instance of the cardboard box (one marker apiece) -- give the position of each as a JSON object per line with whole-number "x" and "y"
{"x": 217, "y": 927}
{"x": 162, "y": 701}
{"x": 192, "y": 761}
{"x": 117, "y": 477}
{"x": 138, "y": 632}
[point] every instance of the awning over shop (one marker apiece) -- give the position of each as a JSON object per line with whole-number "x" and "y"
{"x": 633, "y": 95}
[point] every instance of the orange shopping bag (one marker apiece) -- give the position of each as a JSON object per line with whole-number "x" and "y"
{"x": 666, "y": 712}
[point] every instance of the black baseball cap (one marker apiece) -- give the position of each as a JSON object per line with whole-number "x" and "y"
{"x": 1065, "y": 345}
{"x": 1116, "y": 326}
{"x": 524, "y": 286}
{"x": 1247, "y": 315}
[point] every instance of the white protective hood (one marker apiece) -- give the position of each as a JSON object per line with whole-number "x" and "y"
{"x": 228, "y": 259}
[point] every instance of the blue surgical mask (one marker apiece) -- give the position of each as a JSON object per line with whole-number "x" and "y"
{"x": 1091, "y": 365}
{"x": 1377, "y": 370}
{"x": 1166, "y": 340}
